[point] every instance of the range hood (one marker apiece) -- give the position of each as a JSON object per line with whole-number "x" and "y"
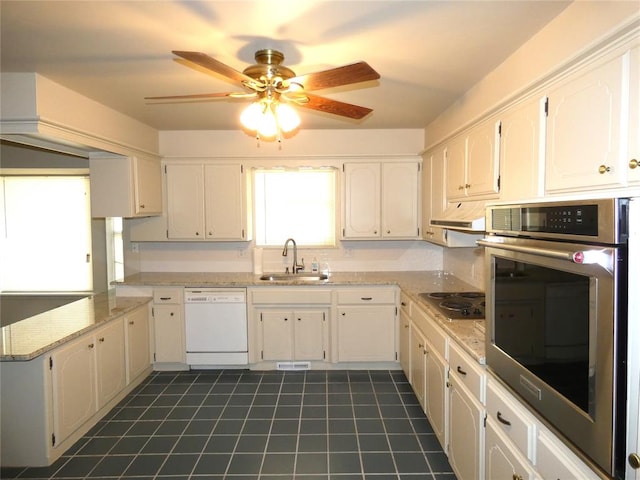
{"x": 464, "y": 216}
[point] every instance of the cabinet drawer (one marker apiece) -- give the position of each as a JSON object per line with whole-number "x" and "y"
{"x": 468, "y": 371}
{"x": 167, "y": 295}
{"x": 513, "y": 420}
{"x": 362, "y": 296}
{"x": 434, "y": 334}
{"x": 555, "y": 461}
{"x": 290, "y": 296}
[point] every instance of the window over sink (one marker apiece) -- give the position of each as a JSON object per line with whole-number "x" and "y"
{"x": 295, "y": 203}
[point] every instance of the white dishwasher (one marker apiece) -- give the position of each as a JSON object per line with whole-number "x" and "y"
{"x": 216, "y": 326}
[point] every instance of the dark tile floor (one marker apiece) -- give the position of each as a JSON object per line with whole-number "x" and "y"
{"x": 240, "y": 424}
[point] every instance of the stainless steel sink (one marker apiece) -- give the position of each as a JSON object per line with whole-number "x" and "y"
{"x": 290, "y": 277}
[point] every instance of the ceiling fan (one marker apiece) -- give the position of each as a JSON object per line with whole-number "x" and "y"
{"x": 271, "y": 83}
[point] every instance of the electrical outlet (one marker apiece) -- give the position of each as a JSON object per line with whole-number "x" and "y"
{"x": 348, "y": 252}
{"x": 242, "y": 252}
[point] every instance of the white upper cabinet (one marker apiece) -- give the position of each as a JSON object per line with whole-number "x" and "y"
{"x": 206, "y": 202}
{"x": 381, "y": 200}
{"x": 591, "y": 125}
{"x": 125, "y": 186}
{"x": 520, "y": 150}
{"x": 472, "y": 163}
{"x": 633, "y": 154}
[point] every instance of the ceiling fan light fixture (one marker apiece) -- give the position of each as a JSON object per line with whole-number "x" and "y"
{"x": 268, "y": 118}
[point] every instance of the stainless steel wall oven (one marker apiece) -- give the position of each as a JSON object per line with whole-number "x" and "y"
{"x": 556, "y": 309}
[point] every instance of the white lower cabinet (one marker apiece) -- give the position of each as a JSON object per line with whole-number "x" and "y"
{"x": 366, "y": 324}
{"x": 555, "y": 460}
{"x": 418, "y": 353}
{"x": 436, "y": 404}
{"x": 137, "y": 341}
{"x": 168, "y": 329}
{"x": 49, "y": 402}
{"x": 466, "y": 432}
{"x": 404, "y": 336}
{"x": 502, "y": 460}
{"x": 291, "y": 335}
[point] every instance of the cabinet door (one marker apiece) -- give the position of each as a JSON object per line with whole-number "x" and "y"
{"x": 466, "y": 433}
{"x": 110, "y": 361}
{"x": 633, "y": 156}
{"x": 169, "y": 334}
{"x": 436, "y": 393}
{"x": 520, "y": 145}
{"x": 366, "y": 334}
{"x": 225, "y": 203}
{"x": 147, "y": 174}
{"x": 309, "y": 335}
{"x": 74, "y": 386}
{"x": 137, "y": 331}
{"x": 502, "y": 459}
{"x": 185, "y": 201}
{"x": 583, "y": 130}
{"x": 277, "y": 334}
{"x": 455, "y": 170}
{"x": 483, "y": 158}
{"x": 361, "y": 200}
{"x": 418, "y": 359}
{"x": 405, "y": 343}
{"x": 400, "y": 206}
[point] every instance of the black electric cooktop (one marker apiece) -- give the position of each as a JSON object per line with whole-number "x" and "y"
{"x": 457, "y": 305}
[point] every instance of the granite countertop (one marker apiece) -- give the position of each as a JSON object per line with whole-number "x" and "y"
{"x": 468, "y": 333}
{"x": 31, "y": 337}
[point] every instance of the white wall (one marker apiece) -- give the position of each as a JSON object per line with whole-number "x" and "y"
{"x": 581, "y": 26}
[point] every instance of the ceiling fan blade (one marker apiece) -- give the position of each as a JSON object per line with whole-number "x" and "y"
{"x": 214, "y": 65}
{"x": 335, "y": 107}
{"x": 336, "y": 77}
{"x": 201, "y": 95}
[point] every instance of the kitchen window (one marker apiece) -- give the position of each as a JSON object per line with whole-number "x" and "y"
{"x": 45, "y": 234}
{"x": 295, "y": 203}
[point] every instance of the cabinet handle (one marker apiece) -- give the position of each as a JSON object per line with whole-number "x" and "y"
{"x": 467, "y": 185}
{"x": 502, "y": 420}
{"x": 420, "y": 345}
{"x": 602, "y": 169}
{"x": 132, "y": 322}
{"x": 634, "y": 461}
{"x": 517, "y": 477}
{"x": 366, "y": 298}
{"x": 165, "y": 298}
{"x": 460, "y": 187}
{"x": 403, "y": 304}
{"x": 406, "y": 326}
{"x": 460, "y": 371}
{"x": 101, "y": 339}
{"x": 633, "y": 163}
{"x": 91, "y": 345}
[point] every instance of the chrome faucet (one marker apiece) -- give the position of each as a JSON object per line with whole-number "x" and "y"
{"x": 295, "y": 267}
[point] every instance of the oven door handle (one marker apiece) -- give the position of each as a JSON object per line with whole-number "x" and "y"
{"x": 574, "y": 257}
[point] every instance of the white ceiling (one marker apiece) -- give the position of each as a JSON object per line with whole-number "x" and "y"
{"x": 427, "y": 52}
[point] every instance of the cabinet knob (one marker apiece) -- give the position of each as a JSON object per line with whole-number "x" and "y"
{"x": 197, "y": 233}
{"x": 634, "y": 461}
{"x": 142, "y": 206}
{"x": 633, "y": 163}
{"x": 602, "y": 169}
{"x": 388, "y": 231}
{"x": 210, "y": 234}
{"x": 299, "y": 319}
{"x": 460, "y": 187}
{"x": 101, "y": 339}
{"x": 132, "y": 322}
{"x": 375, "y": 232}
{"x": 517, "y": 477}
{"x": 91, "y": 345}
{"x": 286, "y": 319}
{"x": 467, "y": 185}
